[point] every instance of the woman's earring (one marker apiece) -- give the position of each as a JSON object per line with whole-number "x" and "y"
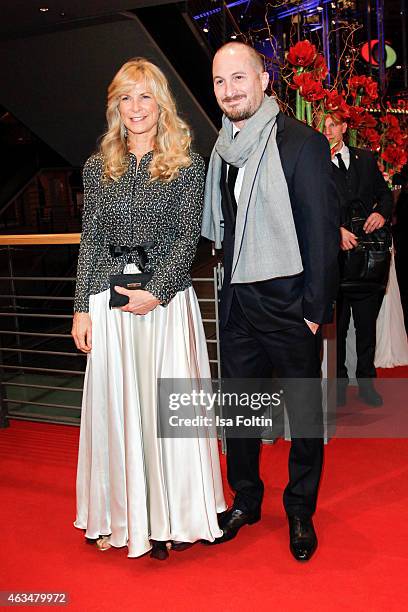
{"x": 125, "y": 132}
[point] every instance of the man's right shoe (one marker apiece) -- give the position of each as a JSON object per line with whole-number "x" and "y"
{"x": 302, "y": 536}
{"x": 232, "y": 522}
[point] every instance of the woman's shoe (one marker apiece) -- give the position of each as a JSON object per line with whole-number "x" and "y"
{"x": 103, "y": 543}
{"x": 180, "y": 546}
{"x": 159, "y": 550}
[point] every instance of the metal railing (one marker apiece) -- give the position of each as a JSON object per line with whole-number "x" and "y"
{"x": 41, "y": 370}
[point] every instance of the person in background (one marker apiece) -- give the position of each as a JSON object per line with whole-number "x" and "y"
{"x": 357, "y": 178}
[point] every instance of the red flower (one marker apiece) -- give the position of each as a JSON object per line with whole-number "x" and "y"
{"x": 395, "y": 135}
{"x": 390, "y": 121}
{"x": 356, "y": 117}
{"x": 356, "y": 82}
{"x": 360, "y": 118}
{"x": 372, "y": 137}
{"x": 364, "y": 86}
{"x": 309, "y": 88}
{"x": 335, "y": 103}
{"x": 395, "y": 156}
{"x": 320, "y": 70}
{"x": 302, "y": 54}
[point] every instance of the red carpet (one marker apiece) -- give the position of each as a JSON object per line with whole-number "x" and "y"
{"x": 361, "y": 564}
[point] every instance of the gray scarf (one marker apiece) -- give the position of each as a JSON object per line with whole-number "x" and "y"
{"x": 266, "y": 244}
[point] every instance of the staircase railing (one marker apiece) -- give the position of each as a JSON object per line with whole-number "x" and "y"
{"x": 41, "y": 372}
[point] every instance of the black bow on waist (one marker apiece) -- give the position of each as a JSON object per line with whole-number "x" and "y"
{"x": 117, "y": 250}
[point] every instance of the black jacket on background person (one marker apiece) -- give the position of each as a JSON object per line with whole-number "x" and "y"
{"x": 363, "y": 182}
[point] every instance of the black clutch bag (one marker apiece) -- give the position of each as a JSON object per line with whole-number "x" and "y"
{"x": 127, "y": 281}
{"x": 135, "y": 281}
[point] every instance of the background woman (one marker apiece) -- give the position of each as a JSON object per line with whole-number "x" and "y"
{"x": 144, "y": 186}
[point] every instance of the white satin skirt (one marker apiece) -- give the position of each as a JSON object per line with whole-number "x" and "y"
{"x": 130, "y": 483}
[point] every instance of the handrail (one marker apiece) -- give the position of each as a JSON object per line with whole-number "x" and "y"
{"x": 21, "y": 239}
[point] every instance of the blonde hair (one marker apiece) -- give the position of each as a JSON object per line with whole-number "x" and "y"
{"x": 172, "y": 146}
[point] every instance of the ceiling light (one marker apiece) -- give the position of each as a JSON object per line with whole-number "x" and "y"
{"x": 44, "y": 9}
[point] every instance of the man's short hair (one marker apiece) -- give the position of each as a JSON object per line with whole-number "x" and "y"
{"x": 255, "y": 56}
{"x": 337, "y": 118}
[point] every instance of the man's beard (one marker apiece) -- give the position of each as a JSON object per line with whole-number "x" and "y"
{"x": 239, "y": 114}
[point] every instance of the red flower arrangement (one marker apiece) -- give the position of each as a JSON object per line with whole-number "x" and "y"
{"x": 395, "y": 156}
{"x": 320, "y": 70}
{"x": 303, "y": 53}
{"x": 364, "y": 87}
{"x": 371, "y": 137}
{"x": 310, "y": 89}
{"x": 314, "y": 103}
{"x": 360, "y": 118}
{"x": 336, "y": 104}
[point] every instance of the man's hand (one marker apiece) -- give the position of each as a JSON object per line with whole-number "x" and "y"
{"x": 140, "y": 302}
{"x": 373, "y": 222}
{"x": 82, "y": 331}
{"x": 348, "y": 240}
{"x": 312, "y": 326}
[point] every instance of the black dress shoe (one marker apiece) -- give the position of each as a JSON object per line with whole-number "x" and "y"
{"x": 369, "y": 395}
{"x": 303, "y": 539}
{"x": 159, "y": 550}
{"x": 232, "y": 523}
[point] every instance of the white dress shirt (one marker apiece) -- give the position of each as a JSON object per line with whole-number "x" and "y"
{"x": 240, "y": 175}
{"x": 345, "y": 155}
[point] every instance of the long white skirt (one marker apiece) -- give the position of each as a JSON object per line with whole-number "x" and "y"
{"x": 130, "y": 483}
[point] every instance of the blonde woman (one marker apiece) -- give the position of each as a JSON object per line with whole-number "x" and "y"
{"x": 143, "y": 187}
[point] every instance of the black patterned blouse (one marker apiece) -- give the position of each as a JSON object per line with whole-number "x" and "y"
{"x": 132, "y": 211}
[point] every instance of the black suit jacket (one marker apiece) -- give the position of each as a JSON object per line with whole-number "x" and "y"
{"x": 363, "y": 182}
{"x": 283, "y": 302}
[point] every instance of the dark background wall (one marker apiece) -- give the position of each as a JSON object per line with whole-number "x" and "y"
{"x": 56, "y": 83}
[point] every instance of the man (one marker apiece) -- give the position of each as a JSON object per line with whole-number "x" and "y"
{"x": 358, "y": 179}
{"x": 271, "y": 201}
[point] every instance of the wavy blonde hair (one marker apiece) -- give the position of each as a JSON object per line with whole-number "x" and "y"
{"x": 172, "y": 146}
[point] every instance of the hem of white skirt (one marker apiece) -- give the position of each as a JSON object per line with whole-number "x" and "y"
{"x": 144, "y": 550}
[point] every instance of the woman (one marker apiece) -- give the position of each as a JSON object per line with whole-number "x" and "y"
{"x": 144, "y": 187}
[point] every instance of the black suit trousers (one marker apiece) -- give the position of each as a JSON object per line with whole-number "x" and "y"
{"x": 365, "y": 309}
{"x": 291, "y": 353}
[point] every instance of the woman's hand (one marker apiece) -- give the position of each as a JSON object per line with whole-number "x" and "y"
{"x": 348, "y": 240}
{"x": 82, "y": 331}
{"x": 140, "y": 302}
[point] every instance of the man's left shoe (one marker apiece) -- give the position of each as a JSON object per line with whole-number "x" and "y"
{"x": 303, "y": 539}
{"x": 369, "y": 395}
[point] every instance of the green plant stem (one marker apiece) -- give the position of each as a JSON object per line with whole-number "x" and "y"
{"x": 298, "y": 105}
{"x": 308, "y": 112}
{"x": 352, "y": 137}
